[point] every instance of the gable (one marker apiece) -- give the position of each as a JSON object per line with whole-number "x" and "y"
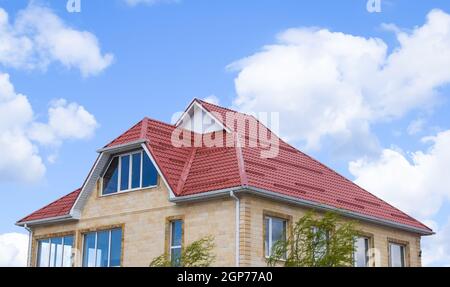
{"x": 197, "y": 119}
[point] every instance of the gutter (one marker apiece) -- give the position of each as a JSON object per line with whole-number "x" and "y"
{"x": 46, "y": 220}
{"x": 30, "y": 238}
{"x": 300, "y": 202}
{"x": 238, "y": 226}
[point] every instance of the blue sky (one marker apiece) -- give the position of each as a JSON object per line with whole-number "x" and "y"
{"x": 165, "y": 54}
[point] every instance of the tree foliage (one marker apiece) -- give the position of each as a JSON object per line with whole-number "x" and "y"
{"x": 316, "y": 242}
{"x": 197, "y": 254}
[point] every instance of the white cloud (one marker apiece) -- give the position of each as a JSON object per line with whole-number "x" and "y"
{"x": 66, "y": 121}
{"x": 416, "y": 126}
{"x": 13, "y": 250}
{"x": 38, "y": 37}
{"x": 330, "y": 84}
{"x": 417, "y": 183}
{"x": 212, "y": 99}
{"x": 149, "y": 2}
{"x": 21, "y": 134}
{"x": 436, "y": 248}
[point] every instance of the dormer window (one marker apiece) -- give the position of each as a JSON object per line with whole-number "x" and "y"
{"x": 128, "y": 172}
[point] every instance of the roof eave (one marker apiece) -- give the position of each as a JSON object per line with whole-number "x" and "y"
{"x": 301, "y": 202}
{"x": 49, "y": 220}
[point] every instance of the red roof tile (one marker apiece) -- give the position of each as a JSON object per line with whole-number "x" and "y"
{"x": 194, "y": 170}
{"x": 57, "y": 208}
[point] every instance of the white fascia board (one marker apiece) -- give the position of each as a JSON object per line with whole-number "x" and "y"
{"x": 196, "y": 104}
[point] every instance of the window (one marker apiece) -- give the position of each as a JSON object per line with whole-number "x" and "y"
{"x": 361, "y": 253}
{"x": 176, "y": 236}
{"x": 275, "y": 230}
{"x": 129, "y": 172}
{"x": 396, "y": 255}
{"x": 320, "y": 243}
{"x": 102, "y": 248}
{"x": 55, "y": 252}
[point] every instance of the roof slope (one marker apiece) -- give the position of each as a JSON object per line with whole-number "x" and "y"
{"x": 59, "y": 207}
{"x": 195, "y": 170}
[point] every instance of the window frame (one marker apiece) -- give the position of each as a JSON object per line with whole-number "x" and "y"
{"x": 367, "y": 245}
{"x": 171, "y": 231}
{"x": 49, "y": 238}
{"x": 403, "y": 245}
{"x": 268, "y": 232}
{"x": 109, "y": 230}
{"x": 130, "y": 173}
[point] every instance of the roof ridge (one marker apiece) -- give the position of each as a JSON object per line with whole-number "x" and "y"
{"x": 185, "y": 172}
{"x": 240, "y": 160}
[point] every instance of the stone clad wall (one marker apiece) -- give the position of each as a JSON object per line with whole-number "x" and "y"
{"x": 143, "y": 215}
{"x": 252, "y": 211}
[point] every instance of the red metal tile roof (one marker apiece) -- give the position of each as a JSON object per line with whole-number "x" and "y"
{"x": 194, "y": 170}
{"x": 57, "y": 208}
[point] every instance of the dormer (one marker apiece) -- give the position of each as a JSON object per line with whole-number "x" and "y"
{"x": 197, "y": 119}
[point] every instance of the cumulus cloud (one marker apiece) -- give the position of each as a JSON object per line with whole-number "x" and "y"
{"x": 149, "y": 2}
{"x": 13, "y": 250}
{"x": 21, "y": 135}
{"x": 212, "y": 99}
{"x": 335, "y": 85}
{"x": 436, "y": 249}
{"x": 38, "y": 37}
{"x": 417, "y": 183}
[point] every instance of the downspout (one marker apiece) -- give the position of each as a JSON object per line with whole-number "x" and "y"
{"x": 237, "y": 226}
{"x": 30, "y": 238}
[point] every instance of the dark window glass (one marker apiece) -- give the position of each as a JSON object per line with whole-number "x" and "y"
{"x": 136, "y": 170}
{"x": 102, "y": 249}
{"x": 116, "y": 247}
{"x": 110, "y": 179}
{"x": 175, "y": 242}
{"x": 149, "y": 173}
{"x": 89, "y": 250}
{"x": 124, "y": 172}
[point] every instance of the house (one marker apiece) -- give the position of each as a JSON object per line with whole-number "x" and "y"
{"x": 158, "y": 187}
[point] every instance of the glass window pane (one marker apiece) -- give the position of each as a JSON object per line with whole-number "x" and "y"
{"x": 116, "y": 247}
{"x": 136, "y": 171}
{"x": 43, "y": 253}
{"x": 278, "y": 230}
{"x": 175, "y": 256}
{"x": 397, "y": 253}
{"x": 176, "y": 233}
{"x": 149, "y": 173}
{"x": 67, "y": 253}
{"x": 56, "y": 252}
{"x": 267, "y": 235}
{"x": 110, "y": 179}
{"x": 124, "y": 172}
{"x": 361, "y": 252}
{"x": 89, "y": 250}
{"x": 102, "y": 249}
